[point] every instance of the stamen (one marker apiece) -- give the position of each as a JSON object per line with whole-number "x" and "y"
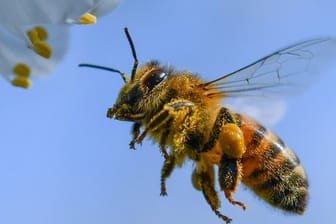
{"x": 21, "y": 69}
{"x": 87, "y": 18}
{"x": 42, "y": 48}
{"x": 22, "y": 73}
{"x": 37, "y": 35}
{"x": 33, "y": 35}
{"x": 41, "y": 32}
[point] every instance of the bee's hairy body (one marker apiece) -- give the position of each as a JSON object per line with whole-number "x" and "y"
{"x": 272, "y": 170}
{"x": 184, "y": 115}
{"x": 177, "y": 111}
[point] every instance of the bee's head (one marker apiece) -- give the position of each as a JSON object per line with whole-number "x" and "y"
{"x": 139, "y": 92}
{"x": 136, "y": 92}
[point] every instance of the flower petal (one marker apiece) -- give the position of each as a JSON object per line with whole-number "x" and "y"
{"x": 104, "y": 6}
{"x": 15, "y": 52}
{"x": 34, "y": 34}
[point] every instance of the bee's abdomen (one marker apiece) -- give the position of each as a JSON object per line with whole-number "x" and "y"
{"x": 272, "y": 170}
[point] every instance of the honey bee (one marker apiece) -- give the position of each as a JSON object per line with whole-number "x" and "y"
{"x": 184, "y": 115}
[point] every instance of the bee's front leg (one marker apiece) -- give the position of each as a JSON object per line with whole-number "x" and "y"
{"x": 135, "y": 134}
{"x": 162, "y": 120}
{"x": 168, "y": 112}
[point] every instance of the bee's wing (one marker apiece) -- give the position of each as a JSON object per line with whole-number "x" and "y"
{"x": 281, "y": 73}
{"x": 252, "y": 89}
{"x": 264, "y": 110}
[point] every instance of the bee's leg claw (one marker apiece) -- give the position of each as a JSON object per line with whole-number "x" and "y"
{"x": 232, "y": 201}
{"x": 132, "y": 144}
{"x": 223, "y": 217}
{"x": 141, "y": 137}
{"x": 163, "y": 193}
{"x": 137, "y": 140}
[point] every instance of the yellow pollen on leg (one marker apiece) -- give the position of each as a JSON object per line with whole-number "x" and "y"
{"x": 232, "y": 141}
{"x": 87, "y": 18}
{"x": 22, "y": 73}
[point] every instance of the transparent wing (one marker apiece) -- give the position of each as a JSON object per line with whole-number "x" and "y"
{"x": 252, "y": 89}
{"x": 265, "y": 111}
{"x": 281, "y": 73}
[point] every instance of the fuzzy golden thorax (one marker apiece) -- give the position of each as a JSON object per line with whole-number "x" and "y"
{"x": 152, "y": 87}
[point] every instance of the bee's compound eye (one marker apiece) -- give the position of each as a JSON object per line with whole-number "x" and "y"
{"x": 155, "y": 79}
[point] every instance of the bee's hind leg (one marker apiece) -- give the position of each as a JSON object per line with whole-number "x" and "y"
{"x": 229, "y": 176}
{"x": 227, "y": 136}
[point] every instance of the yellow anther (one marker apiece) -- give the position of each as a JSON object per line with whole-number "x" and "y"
{"x": 87, "y": 19}
{"x": 21, "y": 70}
{"x": 41, "y": 32}
{"x": 38, "y": 33}
{"x": 36, "y": 37}
{"x": 42, "y": 48}
{"x": 20, "y": 81}
{"x": 33, "y": 35}
{"x": 22, "y": 73}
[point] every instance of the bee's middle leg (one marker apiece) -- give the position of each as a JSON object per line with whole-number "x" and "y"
{"x": 162, "y": 120}
{"x": 166, "y": 170}
{"x": 206, "y": 183}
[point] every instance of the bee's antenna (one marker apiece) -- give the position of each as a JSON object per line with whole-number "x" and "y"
{"x": 135, "y": 64}
{"x": 123, "y": 75}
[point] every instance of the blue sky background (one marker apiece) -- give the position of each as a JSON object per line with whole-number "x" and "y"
{"x": 63, "y": 161}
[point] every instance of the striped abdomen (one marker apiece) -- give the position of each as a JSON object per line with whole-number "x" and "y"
{"x": 271, "y": 169}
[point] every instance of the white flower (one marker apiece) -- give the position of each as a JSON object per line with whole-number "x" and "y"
{"x": 34, "y": 34}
